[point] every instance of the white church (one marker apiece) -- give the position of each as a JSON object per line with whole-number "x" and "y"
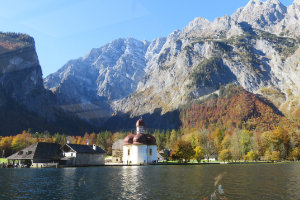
{"x": 139, "y": 148}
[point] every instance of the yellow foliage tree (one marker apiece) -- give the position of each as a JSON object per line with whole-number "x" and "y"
{"x": 225, "y": 155}
{"x": 199, "y": 154}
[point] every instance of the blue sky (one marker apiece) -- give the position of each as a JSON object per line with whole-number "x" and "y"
{"x": 68, "y": 29}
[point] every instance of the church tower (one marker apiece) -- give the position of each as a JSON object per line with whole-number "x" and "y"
{"x": 140, "y": 126}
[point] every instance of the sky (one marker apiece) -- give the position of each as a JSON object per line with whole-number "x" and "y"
{"x": 69, "y": 29}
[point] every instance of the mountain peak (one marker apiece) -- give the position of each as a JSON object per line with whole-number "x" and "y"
{"x": 297, "y": 2}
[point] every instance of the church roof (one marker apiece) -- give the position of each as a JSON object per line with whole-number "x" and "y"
{"x": 140, "y": 139}
{"x": 129, "y": 139}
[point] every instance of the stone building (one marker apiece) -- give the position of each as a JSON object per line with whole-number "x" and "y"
{"x": 139, "y": 148}
{"x": 82, "y": 155}
{"x": 117, "y": 151}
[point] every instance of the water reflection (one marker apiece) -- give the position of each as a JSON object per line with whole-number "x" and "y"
{"x": 263, "y": 181}
{"x": 132, "y": 182}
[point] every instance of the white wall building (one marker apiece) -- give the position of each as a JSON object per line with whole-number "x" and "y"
{"x": 82, "y": 155}
{"x": 139, "y": 148}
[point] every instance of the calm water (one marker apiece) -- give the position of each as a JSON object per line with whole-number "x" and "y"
{"x": 257, "y": 181}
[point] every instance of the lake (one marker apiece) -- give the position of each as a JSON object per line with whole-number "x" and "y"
{"x": 251, "y": 181}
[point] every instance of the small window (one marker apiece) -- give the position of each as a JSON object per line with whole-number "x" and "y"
{"x": 117, "y": 160}
{"x": 128, "y": 152}
{"x": 20, "y": 153}
{"x": 29, "y": 152}
{"x": 150, "y": 152}
{"x": 71, "y": 154}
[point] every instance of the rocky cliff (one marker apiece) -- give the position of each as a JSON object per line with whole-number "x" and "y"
{"x": 86, "y": 86}
{"x": 24, "y": 102}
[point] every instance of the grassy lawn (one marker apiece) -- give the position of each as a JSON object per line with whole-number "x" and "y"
{"x": 3, "y": 160}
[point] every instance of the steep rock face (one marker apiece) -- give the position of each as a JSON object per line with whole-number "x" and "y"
{"x": 113, "y": 71}
{"x": 24, "y": 103}
{"x": 20, "y": 71}
{"x": 87, "y": 85}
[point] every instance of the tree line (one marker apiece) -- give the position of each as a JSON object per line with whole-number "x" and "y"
{"x": 12, "y": 144}
{"x": 184, "y": 144}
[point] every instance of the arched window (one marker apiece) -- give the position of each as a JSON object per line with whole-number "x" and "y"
{"x": 150, "y": 152}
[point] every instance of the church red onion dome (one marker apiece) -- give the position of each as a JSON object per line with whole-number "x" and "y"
{"x": 140, "y": 122}
{"x": 144, "y": 139}
{"x": 140, "y": 139}
{"x": 128, "y": 140}
{"x": 151, "y": 140}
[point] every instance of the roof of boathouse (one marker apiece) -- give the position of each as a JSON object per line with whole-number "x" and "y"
{"x": 79, "y": 148}
{"x": 40, "y": 151}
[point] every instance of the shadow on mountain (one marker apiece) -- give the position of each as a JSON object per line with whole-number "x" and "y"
{"x": 156, "y": 120}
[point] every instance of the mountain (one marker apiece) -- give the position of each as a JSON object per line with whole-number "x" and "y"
{"x": 257, "y": 48}
{"x": 87, "y": 85}
{"x": 24, "y": 102}
{"x": 194, "y": 62}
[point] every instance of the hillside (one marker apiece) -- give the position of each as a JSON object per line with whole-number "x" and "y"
{"x": 233, "y": 108}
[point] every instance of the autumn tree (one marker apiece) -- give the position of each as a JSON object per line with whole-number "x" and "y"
{"x": 235, "y": 146}
{"x": 251, "y": 155}
{"x": 295, "y": 154}
{"x": 225, "y": 155}
{"x": 183, "y": 150}
{"x": 21, "y": 141}
{"x": 218, "y": 136}
{"x": 208, "y": 145}
{"x": 275, "y": 156}
{"x": 199, "y": 154}
{"x": 245, "y": 139}
{"x": 5, "y": 146}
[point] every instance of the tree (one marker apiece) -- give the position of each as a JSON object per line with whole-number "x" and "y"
{"x": 275, "y": 156}
{"x": 173, "y": 138}
{"x": 21, "y": 141}
{"x": 160, "y": 140}
{"x": 245, "y": 139}
{"x": 5, "y": 146}
{"x": 235, "y": 147}
{"x": 183, "y": 151}
{"x": 218, "y": 136}
{"x": 251, "y": 155}
{"x": 226, "y": 142}
{"x": 267, "y": 155}
{"x": 199, "y": 154}
{"x": 92, "y": 139}
{"x": 225, "y": 155}
{"x": 295, "y": 154}
{"x": 208, "y": 145}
